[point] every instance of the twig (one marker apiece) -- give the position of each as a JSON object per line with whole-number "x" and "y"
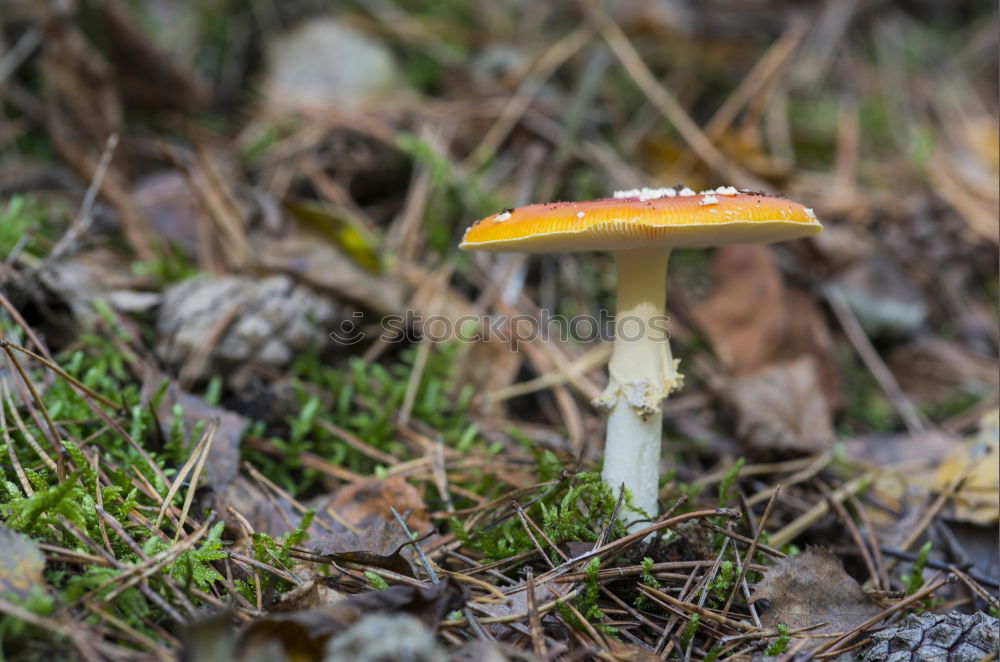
{"x": 428, "y": 568}
{"x": 537, "y": 636}
{"x": 84, "y": 217}
{"x": 22, "y": 50}
{"x": 806, "y": 519}
{"x": 863, "y": 346}
{"x": 852, "y": 528}
{"x": 939, "y": 565}
{"x": 752, "y": 549}
{"x": 665, "y": 102}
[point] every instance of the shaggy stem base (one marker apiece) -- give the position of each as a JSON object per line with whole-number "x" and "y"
{"x": 642, "y": 373}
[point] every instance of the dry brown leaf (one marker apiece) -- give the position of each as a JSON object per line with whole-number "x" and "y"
{"x": 265, "y": 514}
{"x": 753, "y": 320}
{"x": 781, "y": 408}
{"x": 368, "y": 504}
{"x": 811, "y": 588}
{"x": 517, "y": 603}
{"x": 382, "y": 547}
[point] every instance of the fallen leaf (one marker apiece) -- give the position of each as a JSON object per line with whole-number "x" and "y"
{"x": 744, "y": 317}
{"x": 172, "y": 208}
{"x": 303, "y": 635}
{"x": 517, "y": 603}
{"x": 811, "y": 588}
{"x": 80, "y": 278}
{"x": 21, "y": 565}
{"x": 978, "y": 460}
{"x": 381, "y": 547}
{"x": 270, "y": 514}
{"x": 753, "y": 320}
{"x": 782, "y": 408}
{"x": 368, "y": 504}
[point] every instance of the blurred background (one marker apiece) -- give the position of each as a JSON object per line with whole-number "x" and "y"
{"x": 211, "y": 188}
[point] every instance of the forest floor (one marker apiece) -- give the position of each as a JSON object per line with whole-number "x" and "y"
{"x": 249, "y": 405}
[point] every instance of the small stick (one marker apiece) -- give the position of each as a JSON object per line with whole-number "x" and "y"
{"x": 876, "y": 551}
{"x": 537, "y": 636}
{"x": 806, "y": 519}
{"x": 428, "y": 568}
{"x": 938, "y": 565}
{"x": 852, "y": 528}
{"x": 84, "y": 217}
{"x": 752, "y": 549}
{"x": 527, "y": 524}
{"x": 869, "y": 356}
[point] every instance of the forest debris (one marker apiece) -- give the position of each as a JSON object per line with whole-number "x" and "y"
{"x": 223, "y": 461}
{"x": 312, "y": 259}
{"x": 146, "y": 77}
{"x": 753, "y": 320}
{"x": 385, "y": 638}
{"x": 21, "y": 565}
{"x": 208, "y": 323}
{"x": 172, "y": 209}
{"x": 314, "y": 593}
{"x": 781, "y": 408}
{"x": 82, "y": 277}
{"x": 327, "y": 63}
{"x": 886, "y": 302}
{"x": 842, "y": 245}
{"x": 382, "y": 546}
{"x": 303, "y": 635}
{"x": 368, "y": 504}
{"x": 977, "y": 460}
{"x": 955, "y": 637}
{"x": 265, "y": 513}
{"x": 517, "y": 603}
{"x": 930, "y": 368}
{"x": 964, "y": 171}
{"x": 812, "y": 588}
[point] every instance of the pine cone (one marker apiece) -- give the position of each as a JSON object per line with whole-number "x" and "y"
{"x": 937, "y": 638}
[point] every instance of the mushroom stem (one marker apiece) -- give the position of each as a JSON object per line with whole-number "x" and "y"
{"x": 642, "y": 374}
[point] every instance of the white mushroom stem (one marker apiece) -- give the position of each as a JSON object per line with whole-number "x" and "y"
{"x": 642, "y": 374}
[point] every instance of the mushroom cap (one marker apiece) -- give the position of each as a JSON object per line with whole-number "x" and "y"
{"x": 644, "y": 218}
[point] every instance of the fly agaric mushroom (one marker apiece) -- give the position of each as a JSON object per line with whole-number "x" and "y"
{"x": 641, "y": 226}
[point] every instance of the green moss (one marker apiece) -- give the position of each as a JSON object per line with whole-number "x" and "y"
{"x": 781, "y": 643}
{"x": 577, "y": 509}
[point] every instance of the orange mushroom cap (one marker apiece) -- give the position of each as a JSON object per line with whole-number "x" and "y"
{"x": 644, "y": 218}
